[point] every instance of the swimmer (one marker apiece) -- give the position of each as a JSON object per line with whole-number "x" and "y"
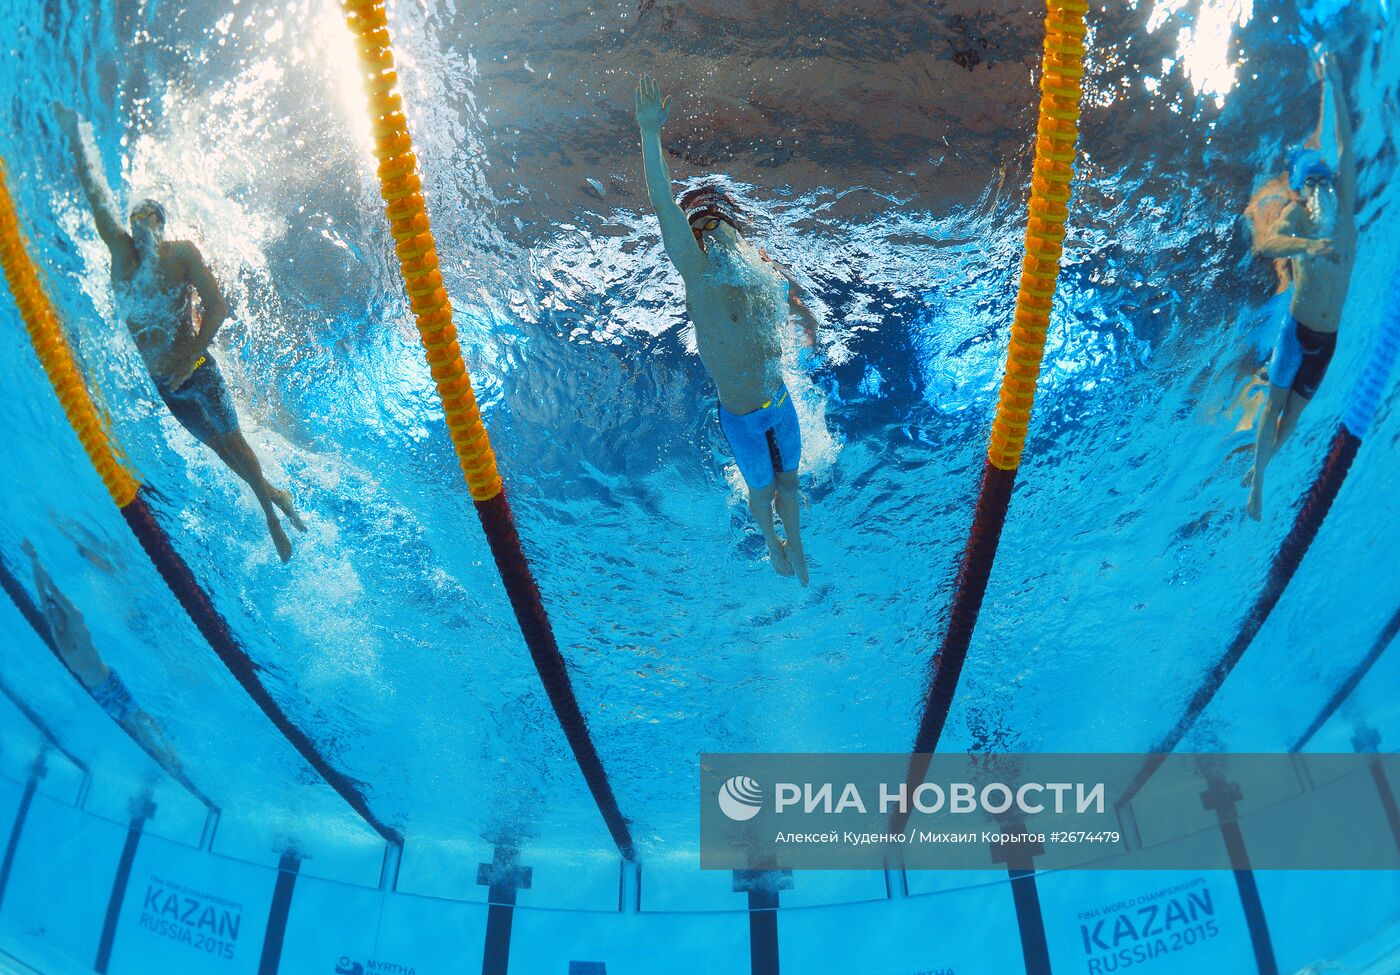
{"x": 738, "y": 299}
{"x": 75, "y": 649}
{"x": 1311, "y": 225}
{"x": 154, "y": 279}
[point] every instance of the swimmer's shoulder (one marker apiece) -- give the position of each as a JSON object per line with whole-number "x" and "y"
{"x": 182, "y": 251}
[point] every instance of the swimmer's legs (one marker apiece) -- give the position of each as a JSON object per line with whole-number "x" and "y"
{"x": 761, "y": 507}
{"x": 1288, "y": 422}
{"x": 1267, "y": 442}
{"x": 233, "y": 450}
{"x": 789, "y": 510}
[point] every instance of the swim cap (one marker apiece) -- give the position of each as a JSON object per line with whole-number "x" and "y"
{"x": 710, "y": 200}
{"x": 1304, "y": 163}
{"x": 149, "y": 204}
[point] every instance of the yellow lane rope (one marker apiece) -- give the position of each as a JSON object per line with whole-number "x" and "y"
{"x": 402, "y": 189}
{"x": 1056, "y": 133}
{"x": 54, "y": 354}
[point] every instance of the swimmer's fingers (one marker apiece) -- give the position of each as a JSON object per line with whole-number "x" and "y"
{"x": 652, "y": 109}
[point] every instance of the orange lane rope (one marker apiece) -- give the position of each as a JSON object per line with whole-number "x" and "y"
{"x": 401, "y": 187}
{"x": 56, "y": 357}
{"x": 1056, "y": 133}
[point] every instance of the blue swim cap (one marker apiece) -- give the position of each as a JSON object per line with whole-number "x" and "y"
{"x": 1304, "y": 163}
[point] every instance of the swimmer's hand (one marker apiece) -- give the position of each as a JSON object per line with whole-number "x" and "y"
{"x": 1322, "y": 248}
{"x": 652, "y": 109}
{"x": 178, "y": 365}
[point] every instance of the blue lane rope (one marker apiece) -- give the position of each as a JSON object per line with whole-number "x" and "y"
{"x": 1366, "y": 395}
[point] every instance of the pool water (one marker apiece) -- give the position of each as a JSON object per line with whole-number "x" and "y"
{"x": 882, "y": 151}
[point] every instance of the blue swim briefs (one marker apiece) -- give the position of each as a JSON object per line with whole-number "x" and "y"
{"x": 764, "y": 442}
{"x": 202, "y": 405}
{"x": 1301, "y": 357}
{"x": 113, "y": 697}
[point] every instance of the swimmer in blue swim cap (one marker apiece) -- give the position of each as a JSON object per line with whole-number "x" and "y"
{"x": 1311, "y": 229}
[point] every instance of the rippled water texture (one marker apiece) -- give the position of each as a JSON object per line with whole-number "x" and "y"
{"x": 883, "y": 151}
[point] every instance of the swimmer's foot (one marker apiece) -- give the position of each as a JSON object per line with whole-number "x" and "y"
{"x": 778, "y": 556}
{"x": 1255, "y": 505}
{"x": 797, "y": 559}
{"x": 280, "y": 541}
{"x": 283, "y": 500}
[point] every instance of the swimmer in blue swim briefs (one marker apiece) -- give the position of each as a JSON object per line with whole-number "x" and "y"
{"x": 1309, "y": 223}
{"x": 738, "y": 299}
{"x": 153, "y": 279}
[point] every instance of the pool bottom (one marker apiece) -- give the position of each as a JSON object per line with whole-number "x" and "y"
{"x": 85, "y": 894}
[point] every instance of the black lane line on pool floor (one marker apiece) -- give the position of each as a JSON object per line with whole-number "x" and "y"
{"x": 762, "y": 887}
{"x": 763, "y": 932}
{"x": 36, "y": 772}
{"x": 503, "y": 877}
{"x": 1221, "y": 798}
{"x": 1383, "y": 640}
{"x": 1030, "y": 921}
{"x": 1387, "y": 795}
{"x": 144, "y": 810}
{"x": 275, "y": 933}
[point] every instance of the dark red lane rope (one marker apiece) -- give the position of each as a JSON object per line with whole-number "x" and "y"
{"x": 1316, "y": 504}
{"x": 993, "y": 500}
{"x": 499, "y": 526}
{"x": 1362, "y": 407}
{"x": 200, "y": 608}
{"x": 401, "y": 186}
{"x": 1387, "y": 635}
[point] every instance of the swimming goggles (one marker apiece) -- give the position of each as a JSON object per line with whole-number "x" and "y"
{"x": 710, "y": 223}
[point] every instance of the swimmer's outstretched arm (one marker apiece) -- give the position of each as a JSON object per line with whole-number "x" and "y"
{"x": 95, "y": 188}
{"x": 652, "y": 112}
{"x": 55, "y": 606}
{"x": 1341, "y": 117}
{"x": 66, "y": 627}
